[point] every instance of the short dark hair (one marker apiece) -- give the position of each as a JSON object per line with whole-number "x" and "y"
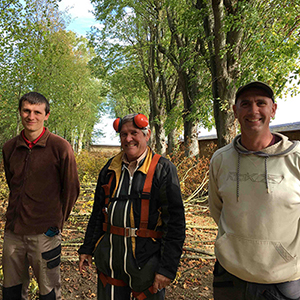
{"x": 35, "y": 98}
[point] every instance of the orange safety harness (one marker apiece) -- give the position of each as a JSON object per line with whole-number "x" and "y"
{"x": 118, "y": 282}
{"x": 143, "y": 231}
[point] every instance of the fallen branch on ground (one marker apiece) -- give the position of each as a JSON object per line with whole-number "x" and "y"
{"x": 201, "y": 227}
{"x": 197, "y": 251}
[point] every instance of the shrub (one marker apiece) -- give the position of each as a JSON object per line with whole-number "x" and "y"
{"x": 89, "y": 165}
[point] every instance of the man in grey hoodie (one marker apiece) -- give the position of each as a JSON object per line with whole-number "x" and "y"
{"x": 254, "y": 197}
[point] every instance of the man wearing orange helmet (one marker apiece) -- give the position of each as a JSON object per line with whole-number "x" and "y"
{"x": 137, "y": 227}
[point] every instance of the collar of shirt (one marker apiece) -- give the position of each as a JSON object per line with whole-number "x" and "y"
{"x": 133, "y": 164}
{"x": 31, "y": 144}
{"x": 275, "y": 140}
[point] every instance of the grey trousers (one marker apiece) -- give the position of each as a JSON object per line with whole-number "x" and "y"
{"x": 40, "y": 252}
{"x": 229, "y": 287}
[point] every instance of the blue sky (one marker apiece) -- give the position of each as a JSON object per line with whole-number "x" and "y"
{"x": 83, "y": 19}
{"x": 81, "y": 12}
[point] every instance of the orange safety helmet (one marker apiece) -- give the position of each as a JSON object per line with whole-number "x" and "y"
{"x": 139, "y": 120}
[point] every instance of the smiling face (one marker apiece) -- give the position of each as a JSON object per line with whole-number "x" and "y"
{"x": 33, "y": 117}
{"x": 254, "y": 110}
{"x": 133, "y": 141}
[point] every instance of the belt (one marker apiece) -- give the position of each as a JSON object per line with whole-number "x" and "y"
{"x": 132, "y": 232}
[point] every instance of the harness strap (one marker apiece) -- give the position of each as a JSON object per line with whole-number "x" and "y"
{"x": 146, "y": 191}
{"x": 132, "y": 232}
{"x": 143, "y": 295}
{"x": 106, "y": 188}
{"x": 118, "y": 282}
{"x": 109, "y": 280}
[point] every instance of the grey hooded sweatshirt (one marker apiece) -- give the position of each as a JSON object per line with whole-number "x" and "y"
{"x": 254, "y": 197}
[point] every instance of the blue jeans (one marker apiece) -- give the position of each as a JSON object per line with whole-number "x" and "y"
{"x": 229, "y": 287}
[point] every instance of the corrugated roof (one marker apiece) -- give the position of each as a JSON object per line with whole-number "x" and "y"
{"x": 273, "y": 128}
{"x": 285, "y": 127}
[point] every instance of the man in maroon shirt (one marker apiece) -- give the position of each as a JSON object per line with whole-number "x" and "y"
{"x": 41, "y": 173}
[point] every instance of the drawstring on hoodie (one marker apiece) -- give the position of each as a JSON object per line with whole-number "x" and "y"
{"x": 258, "y": 153}
{"x": 238, "y": 178}
{"x": 266, "y": 175}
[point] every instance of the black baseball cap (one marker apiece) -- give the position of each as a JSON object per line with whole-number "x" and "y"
{"x": 257, "y": 85}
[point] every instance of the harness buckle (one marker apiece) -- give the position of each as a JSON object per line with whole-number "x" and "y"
{"x": 130, "y": 232}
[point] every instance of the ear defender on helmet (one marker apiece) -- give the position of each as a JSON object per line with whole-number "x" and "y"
{"x": 140, "y": 121}
{"x": 117, "y": 124}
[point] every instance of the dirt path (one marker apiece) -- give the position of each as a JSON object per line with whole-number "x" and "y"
{"x": 194, "y": 277}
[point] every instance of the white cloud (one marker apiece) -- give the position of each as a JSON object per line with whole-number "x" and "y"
{"x": 79, "y": 9}
{"x": 81, "y": 14}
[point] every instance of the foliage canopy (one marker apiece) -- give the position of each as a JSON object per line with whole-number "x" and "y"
{"x": 38, "y": 54}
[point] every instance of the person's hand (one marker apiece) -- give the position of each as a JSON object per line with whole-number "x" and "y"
{"x": 84, "y": 261}
{"x": 160, "y": 282}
